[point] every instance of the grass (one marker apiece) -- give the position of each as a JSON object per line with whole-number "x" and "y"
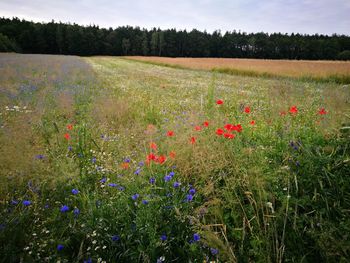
{"x": 276, "y": 192}
{"x": 318, "y": 71}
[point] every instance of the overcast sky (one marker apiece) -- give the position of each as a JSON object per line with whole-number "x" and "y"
{"x": 286, "y": 16}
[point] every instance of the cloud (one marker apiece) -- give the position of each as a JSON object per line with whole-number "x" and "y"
{"x": 303, "y": 16}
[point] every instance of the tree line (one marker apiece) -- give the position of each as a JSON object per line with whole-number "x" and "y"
{"x": 71, "y": 39}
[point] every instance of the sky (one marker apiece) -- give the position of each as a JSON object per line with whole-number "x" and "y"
{"x": 285, "y": 16}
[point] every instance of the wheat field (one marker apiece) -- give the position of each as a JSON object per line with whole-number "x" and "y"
{"x": 288, "y": 68}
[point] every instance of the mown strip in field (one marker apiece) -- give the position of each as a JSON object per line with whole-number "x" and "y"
{"x": 317, "y": 71}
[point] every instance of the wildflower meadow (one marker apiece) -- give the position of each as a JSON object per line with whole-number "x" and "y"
{"x": 105, "y": 159}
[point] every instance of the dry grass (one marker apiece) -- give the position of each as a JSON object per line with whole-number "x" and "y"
{"x": 288, "y": 68}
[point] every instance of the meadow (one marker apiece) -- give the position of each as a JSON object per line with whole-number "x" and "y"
{"x": 106, "y": 159}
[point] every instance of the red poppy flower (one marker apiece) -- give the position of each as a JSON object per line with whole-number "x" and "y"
{"x": 206, "y": 124}
{"x": 229, "y": 135}
{"x": 219, "y": 102}
{"x": 198, "y": 128}
{"x": 237, "y": 128}
{"x": 151, "y": 156}
{"x": 161, "y": 159}
{"x": 125, "y": 165}
{"x": 172, "y": 155}
{"x": 322, "y": 111}
{"x": 219, "y": 131}
{"x": 229, "y": 127}
{"x": 170, "y": 133}
{"x": 153, "y": 146}
{"x": 70, "y": 127}
{"x": 247, "y": 109}
{"x": 252, "y": 122}
{"x": 293, "y": 110}
{"x": 67, "y": 136}
{"x": 193, "y": 140}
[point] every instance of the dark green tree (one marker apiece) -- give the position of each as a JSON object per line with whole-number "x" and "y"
{"x": 72, "y": 39}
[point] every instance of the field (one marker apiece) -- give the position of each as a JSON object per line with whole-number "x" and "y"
{"x": 105, "y": 159}
{"x": 338, "y": 71}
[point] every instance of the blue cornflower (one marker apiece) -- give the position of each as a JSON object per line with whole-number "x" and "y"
{"x": 76, "y": 211}
{"x": 167, "y": 178}
{"x": 103, "y": 180}
{"x": 189, "y": 198}
{"x": 152, "y": 180}
{"x": 126, "y": 160}
{"x": 138, "y": 171}
{"x": 112, "y": 185}
{"x": 14, "y": 202}
{"x": 26, "y": 202}
{"x": 192, "y": 191}
{"x": 294, "y": 145}
{"x": 121, "y": 188}
{"x": 171, "y": 174}
{"x": 64, "y": 208}
{"x": 196, "y": 237}
{"x": 75, "y": 191}
{"x": 115, "y": 238}
{"x": 93, "y": 159}
{"x": 89, "y": 260}
{"x": 39, "y": 156}
{"x": 176, "y": 184}
{"x": 141, "y": 164}
{"x": 60, "y": 247}
{"x": 70, "y": 148}
{"x": 163, "y": 237}
{"x": 214, "y": 251}
{"x": 135, "y": 196}
{"x": 145, "y": 202}
{"x": 47, "y": 206}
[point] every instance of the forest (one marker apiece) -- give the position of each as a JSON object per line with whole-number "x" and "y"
{"x": 17, "y": 35}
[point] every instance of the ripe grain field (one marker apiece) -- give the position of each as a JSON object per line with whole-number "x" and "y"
{"x": 106, "y": 159}
{"x": 302, "y": 69}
